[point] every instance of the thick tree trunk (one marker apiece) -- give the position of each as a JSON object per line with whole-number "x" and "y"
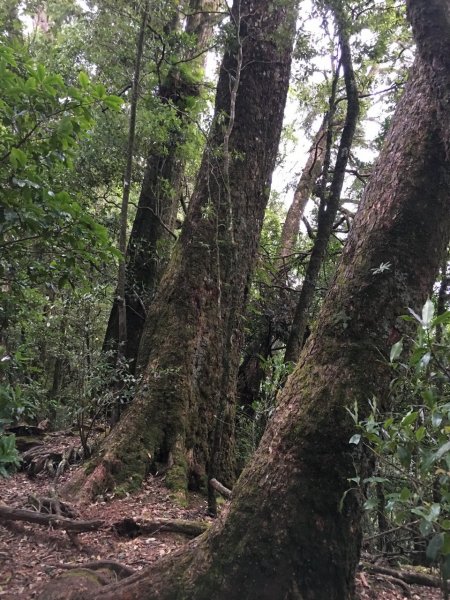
{"x": 291, "y": 533}
{"x": 152, "y": 236}
{"x": 185, "y": 405}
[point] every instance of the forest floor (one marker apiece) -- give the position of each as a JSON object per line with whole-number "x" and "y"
{"x": 32, "y": 554}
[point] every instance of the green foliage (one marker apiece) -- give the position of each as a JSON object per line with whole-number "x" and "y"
{"x": 412, "y": 445}
{"x": 9, "y": 456}
{"x": 42, "y": 121}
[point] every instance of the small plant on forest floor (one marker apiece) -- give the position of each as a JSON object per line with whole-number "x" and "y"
{"x": 409, "y": 498}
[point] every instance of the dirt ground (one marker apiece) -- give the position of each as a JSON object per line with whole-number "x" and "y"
{"x": 32, "y": 554}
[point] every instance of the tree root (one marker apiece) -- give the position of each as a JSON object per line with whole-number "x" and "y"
{"x": 405, "y": 576}
{"x": 122, "y": 571}
{"x": 54, "y": 461}
{"x": 51, "y": 506}
{"x": 135, "y": 527}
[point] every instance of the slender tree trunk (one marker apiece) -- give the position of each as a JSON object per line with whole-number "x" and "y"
{"x": 303, "y": 191}
{"x": 293, "y": 528}
{"x": 183, "y": 413}
{"x": 330, "y": 201}
{"x": 121, "y": 282}
{"x": 152, "y": 236}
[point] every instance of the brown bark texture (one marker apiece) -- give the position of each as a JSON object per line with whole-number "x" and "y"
{"x": 150, "y": 238}
{"x": 290, "y": 533}
{"x": 183, "y": 413}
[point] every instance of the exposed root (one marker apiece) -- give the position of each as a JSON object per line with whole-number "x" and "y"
{"x": 122, "y": 571}
{"x": 134, "y": 527}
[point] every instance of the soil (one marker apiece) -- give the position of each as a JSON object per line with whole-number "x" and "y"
{"x": 32, "y": 554}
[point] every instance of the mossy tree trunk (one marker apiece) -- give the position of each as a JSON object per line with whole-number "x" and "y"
{"x": 152, "y": 234}
{"x": 183, "y": 413}
{"x": 290, "y": 532}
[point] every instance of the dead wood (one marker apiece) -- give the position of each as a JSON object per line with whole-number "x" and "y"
{"x": 134, "y": 527}
{"x": 31, "y": 516}
{"x": 219, "y": 487}
{"x": 407, "y": 576}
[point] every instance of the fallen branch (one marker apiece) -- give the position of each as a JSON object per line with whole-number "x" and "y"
{"x": 31, "y": 516}
{"x": 226, "y": 493}
{"x": 134, "y": 527}
{"x": 406, "y": 576}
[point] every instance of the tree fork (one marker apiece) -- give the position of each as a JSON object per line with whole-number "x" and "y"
{"x": 193, "y": 331}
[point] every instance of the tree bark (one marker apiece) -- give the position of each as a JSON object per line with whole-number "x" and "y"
{"x": 152, "y": 236}
{"x": 183, "y": 413}
{"x": 290, "y": 532}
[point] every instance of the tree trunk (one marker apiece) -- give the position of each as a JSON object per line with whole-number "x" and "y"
{"x": 152, "y": 234}
{"x": 184, "y": 408}
{"x": 330, "y": 200}
{"x": 303, "y": 191}
{"x": 251, "y": 370}
{"x": 121, "y": 280}
{"x": 293, "y": 529}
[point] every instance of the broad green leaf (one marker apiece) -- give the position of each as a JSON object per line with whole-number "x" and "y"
{"x": 355, "y": 439}
{"x": 427, "y": 313}
{"x": 409, "y": 419}
{"x": 415, "y": 315}
{"x": 18, "y": 158}
{"x": 405, "y": 494}
{"x": 441, "y": 452}
{"x": 83, "y": 79}
{"x": 435, "y": 511}
{"x": 420, "y": 433}
{"x": 425, "y": 360}
{"x": 425, "y": 528}
{"x": 396, "y": 350}
{"x": 436, "y": 418}
{"x": 443, "y": 319}
{"x": 113, "y": 102}
{"x": 370, "y": 504}
{"x": 99, "y": 91}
